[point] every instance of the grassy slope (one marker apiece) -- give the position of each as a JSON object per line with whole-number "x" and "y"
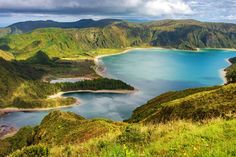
{"x": 6, "y": 55}
{"x": 193, "y": 104}
{"x": 72, "y": 135}
{"x": 56, "y": 68}
{"x": 90, "y": 42}
{"x": 20, "y": 87}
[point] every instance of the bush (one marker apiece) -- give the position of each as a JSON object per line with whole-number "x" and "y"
{"x": 133, "y": 134}
{"x": 32, "y": 151}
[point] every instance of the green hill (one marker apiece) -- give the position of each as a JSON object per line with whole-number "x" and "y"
{"x": 67, "y": 134}
{"x": 21, "y": 85}
{"x": 191, "y": 104}
{"x": 88, "y": 42}
{"x": 39, "y": 58}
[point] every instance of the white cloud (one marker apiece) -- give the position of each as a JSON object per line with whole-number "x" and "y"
{"x": 142, "y": 7}
{"x": 165, "y": 7}
{"x": 230, "y": 17}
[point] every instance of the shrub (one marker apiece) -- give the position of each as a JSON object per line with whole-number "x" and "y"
{"x": 32, "y": 151}
{"x": 133, "y": 134}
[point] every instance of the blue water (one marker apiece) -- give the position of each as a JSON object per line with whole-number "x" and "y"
{"x": 151, "y": 71}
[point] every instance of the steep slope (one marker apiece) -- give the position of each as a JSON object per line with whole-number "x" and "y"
{"x": 65, "y": 43}
{"x": 90, "y": 41}
{"x": 192, "y": 104}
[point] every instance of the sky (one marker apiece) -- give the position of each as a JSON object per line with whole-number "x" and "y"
{"x": 12, "y": 11}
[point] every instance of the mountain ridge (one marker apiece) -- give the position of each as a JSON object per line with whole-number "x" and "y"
{"x": 113, "y": 34}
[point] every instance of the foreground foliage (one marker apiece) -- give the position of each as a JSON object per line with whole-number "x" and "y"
{"x": 67, "y": 134}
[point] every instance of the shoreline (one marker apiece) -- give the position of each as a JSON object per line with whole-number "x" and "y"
{"x": 223, "y": 72}
{"x": 3, "y": 111}
{"x": 70, "y": 79}
{"x": 15, "y": 109}
{"x": 60, "y": 94}
{"x": 98, "y": 64}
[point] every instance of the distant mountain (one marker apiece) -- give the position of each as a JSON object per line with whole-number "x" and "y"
{"x": 28, "y": 26}
{"x": 93, "y": 36}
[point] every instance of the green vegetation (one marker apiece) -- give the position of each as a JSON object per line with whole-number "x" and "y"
{"x": 97, "y": 84}
{"x": 193, "y": 104}
{"x": 21, "y": 85}
{"x": 231, "y": 71}
{"x": 4, "y": 31}
{"x": 88, "y": 42}
{"x": 56, "y": 68}
{"x": 67, "y": 134}
{"x": 192, "y": 122}
{"x": 6, "y": 55}
{"x": 154, "y": 104}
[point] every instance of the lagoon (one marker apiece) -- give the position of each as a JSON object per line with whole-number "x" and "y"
{"x": 151, "y": 71}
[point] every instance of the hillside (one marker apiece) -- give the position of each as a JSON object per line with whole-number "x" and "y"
{"x": 21, "y": 83}
{"x": 191, "y": 104}
{"x": 67, "y": 134}
{"x": 21, "y": 87}
{"x": 91, "y": 41}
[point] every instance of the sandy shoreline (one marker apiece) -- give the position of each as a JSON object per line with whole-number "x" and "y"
{"x": 223, "y": 73}
{"x": 76, "y": 79}
{"x": 100, "y": 69}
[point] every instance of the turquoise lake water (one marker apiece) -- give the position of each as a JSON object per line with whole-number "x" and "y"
{"x": 151, "y": 71}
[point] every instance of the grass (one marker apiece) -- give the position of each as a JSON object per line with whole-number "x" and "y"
{"x": 154, "y": 104}
{"x": 72, "y": 135}
{"x": 219, "y": 102}
{"x": 193, "y": 104}
{"x": 6, "y": 55}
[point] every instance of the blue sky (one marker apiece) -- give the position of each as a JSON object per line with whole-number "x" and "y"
{"x": 12, "y": 11}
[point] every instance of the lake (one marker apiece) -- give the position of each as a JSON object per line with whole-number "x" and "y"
{"x": 151, "y": 72}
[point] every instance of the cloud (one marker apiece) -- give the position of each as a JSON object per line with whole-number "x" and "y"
{"x": 204, "y": 10}
{"x": 119, "y": 7}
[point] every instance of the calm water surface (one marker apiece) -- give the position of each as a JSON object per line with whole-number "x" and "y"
{"x": 151, "y": 71}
